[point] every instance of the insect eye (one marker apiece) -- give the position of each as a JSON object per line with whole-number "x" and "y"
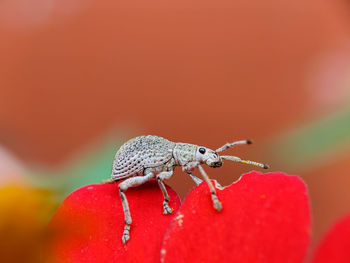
{"x": 202, "y": 150}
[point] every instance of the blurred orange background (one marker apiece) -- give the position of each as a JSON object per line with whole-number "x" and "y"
{"x": 80, "y": 77}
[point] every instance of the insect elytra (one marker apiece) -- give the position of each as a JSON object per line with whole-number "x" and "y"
{"x": 147, "y": 157}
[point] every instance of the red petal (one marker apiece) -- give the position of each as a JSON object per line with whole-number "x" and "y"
{"x": 265, "y": 218}
{"x": 335, "y": 247}
{"x": 91, "y": 223}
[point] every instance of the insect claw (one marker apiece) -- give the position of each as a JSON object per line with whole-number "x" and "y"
{"x": 126, "y": 234}
{"x": 166, "y": 209}
{"x": 218, "y": 206}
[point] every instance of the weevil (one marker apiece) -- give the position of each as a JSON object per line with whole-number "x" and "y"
{"x": 152, "y": 157}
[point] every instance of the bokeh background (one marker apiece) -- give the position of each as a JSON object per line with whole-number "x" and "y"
{"x": 79, "y": 77}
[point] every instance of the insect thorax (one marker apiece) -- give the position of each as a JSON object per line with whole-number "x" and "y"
{"x": 184, "y": 153}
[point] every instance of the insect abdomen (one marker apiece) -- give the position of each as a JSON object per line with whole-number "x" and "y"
{"x": 140, "y": 153}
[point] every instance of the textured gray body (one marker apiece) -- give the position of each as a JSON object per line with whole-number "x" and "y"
{"x": 141, "y": 153}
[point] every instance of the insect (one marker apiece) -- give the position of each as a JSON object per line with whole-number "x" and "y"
{"x": 146, "y": 157}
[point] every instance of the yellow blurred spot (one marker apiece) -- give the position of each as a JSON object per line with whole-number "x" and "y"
{"x": 24, "y": 214}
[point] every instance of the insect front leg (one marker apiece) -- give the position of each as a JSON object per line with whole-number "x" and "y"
{"x": 131, "y": 182}
{"x": 188, "y": 168}
{"x": 216, "y": 203}
{"x": 160, "y": 177}
{"x": 194, "y": 178}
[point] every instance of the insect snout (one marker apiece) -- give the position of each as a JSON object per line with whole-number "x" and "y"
{"x": 215, "y": 160}
{"x": 216, "y": 164}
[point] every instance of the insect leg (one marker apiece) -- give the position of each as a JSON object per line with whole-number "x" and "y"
{"x": 195, "y": 178}
{"x": 160, "y": 177}
{"x": 131, "y": 182}
{"x": 217, "y": 204}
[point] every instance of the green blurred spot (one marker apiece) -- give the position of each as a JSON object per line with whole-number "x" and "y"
{"x": 316, "y": 141}
{"x": 91, "y": 167}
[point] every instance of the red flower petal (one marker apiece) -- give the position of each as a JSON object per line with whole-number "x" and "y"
{"x": 335, "y": 247}
{"x": 265, "y": 218}
{"x": 91, "y": 223}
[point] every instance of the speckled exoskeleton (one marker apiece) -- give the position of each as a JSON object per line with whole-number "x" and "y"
{"x": 145, "y": 157}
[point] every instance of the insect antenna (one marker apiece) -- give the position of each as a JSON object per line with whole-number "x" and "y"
{"x": 229, "y": 145}
{"x": 239, "y": 160}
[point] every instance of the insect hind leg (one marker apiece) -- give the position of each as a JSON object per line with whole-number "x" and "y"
{"x": 131, "y": 182}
